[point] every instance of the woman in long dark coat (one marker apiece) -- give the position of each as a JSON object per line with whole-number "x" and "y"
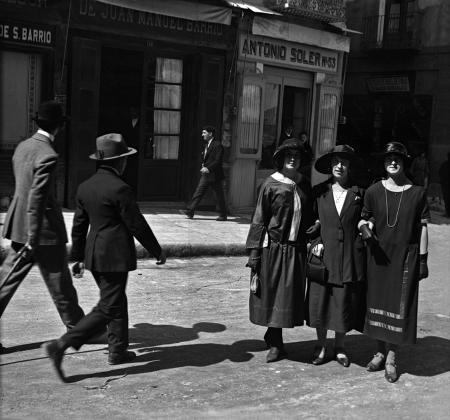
{"x": 277, "y": 245}
{"x": 338, "y": 303}
{"x": 396, "y": 211}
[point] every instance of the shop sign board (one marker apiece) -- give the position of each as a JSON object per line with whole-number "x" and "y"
{"x": 388, "y": 84}
{"x": 280, "y": 52}
{"x": 103, "y": 14}
{"x": 27, "y": 33}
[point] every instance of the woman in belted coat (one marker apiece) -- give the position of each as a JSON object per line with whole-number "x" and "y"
{"x": 337, "y": 303}
{"x": 277, "y": 245}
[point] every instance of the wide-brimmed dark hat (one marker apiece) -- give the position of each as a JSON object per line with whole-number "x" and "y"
{"x": 50, "y": 112}
{"x": 111, "y": 146}
{"x": 395, "y": 148}
{"x": 289, "y": 144}
{"x": 323, "y": 164}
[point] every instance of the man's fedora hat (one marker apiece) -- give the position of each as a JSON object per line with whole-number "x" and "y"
{"x": 111, "y": 146}
{"x": 50, "y": 112}
{"x": 323, "y": 164}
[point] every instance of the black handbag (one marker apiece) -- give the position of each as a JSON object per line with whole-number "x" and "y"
{"x": 315, "y": 268}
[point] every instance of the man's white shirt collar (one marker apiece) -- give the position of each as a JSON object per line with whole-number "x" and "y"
{"x": 48, "y": 135}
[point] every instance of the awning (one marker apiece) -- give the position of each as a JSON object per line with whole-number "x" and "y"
{"x": 343, "y": 27}
{"x": 178, "y": 8}
{"x": 255, "y": 6}
{"x": 278, "y": 29}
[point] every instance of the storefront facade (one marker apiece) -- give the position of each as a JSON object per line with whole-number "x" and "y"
{"x": 287, "y": 74}
{"x": 158, "y": 72}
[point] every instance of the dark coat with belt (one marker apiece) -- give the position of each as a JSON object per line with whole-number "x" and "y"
{"x": 344, "y": 251}
{"x": 212, "y": 160}
{"x": 106, "y": 205}
{"x": 34, "y": 215}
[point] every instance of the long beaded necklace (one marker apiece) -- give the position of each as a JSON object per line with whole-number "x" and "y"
{"x": 387, "y": 207}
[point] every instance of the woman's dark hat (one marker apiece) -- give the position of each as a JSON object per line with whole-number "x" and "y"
{"x": 289, "y": 144}
{"x": 50, "y": 112}
{"x": 323, "y": 164}
{"x": 396, "y": 148}
{"x": 111, "y": 146}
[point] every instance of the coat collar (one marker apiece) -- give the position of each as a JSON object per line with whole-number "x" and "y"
{"x": 107, "y": 170}
{"x": 41, "y": 137}
{"x": 352, "y": 194}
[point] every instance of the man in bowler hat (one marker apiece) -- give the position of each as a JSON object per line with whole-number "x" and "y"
{"x": 105, "y": 206}
{"x": 34, "y": 222}
{"x": 211, "y": 174}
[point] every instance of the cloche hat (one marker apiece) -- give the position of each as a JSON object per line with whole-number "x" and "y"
{"x": 395, "y": 148}
{"x": 323, "y": 164}
{"x": 291, "y": 144}
{"x": 111, "y": 146}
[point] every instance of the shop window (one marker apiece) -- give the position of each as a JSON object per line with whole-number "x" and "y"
{"x": 250, "y": 119}
{"x": 20, "y": 95}
{"x": 270, "y": 124}
{"x": 166, "y": 93}
{"x": 328, "y": 113}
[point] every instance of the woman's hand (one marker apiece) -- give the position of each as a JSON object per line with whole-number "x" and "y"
{"x": 314, "y": 230}
{"x": 254, "y": 260}
{"x": 368, "y": 236}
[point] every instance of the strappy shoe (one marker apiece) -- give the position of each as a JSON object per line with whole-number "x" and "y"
{"x": 317, "y": 360}
{"x": 341, "y": 357}
{"x": 377, "y": 362}
{"x": 390, "y": 372}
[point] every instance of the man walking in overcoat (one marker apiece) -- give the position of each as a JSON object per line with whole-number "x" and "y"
{"x": 211, "y": 174}
{"x": 34, "y": 222}
{"x": 105, "y": 206}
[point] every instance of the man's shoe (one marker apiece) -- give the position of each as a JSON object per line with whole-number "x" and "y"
{"x": 119, "y": 358}
{"x": 55, "y": 354}
{"x": 189, "y": 214}
{"x": 275, "y": 354}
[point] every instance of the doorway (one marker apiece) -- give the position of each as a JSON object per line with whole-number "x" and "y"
{"x": 120, "y": 102}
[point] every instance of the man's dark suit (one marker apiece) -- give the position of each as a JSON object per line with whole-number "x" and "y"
{"x": 35, "y": 217}
{"x": 212, "y": 159}
{"x": 106, "y": 206}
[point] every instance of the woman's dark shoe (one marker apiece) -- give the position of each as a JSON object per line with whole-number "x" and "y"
{"x": 377, "y": 363}
{"x": 317, "y": 360}
{"x": 390, "y": 372}
{"x": 341, "y": 357}
{"x": 275, "y": 354}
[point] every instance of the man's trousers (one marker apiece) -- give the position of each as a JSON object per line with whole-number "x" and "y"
{"x": 111, "y": 311}
{"x": 53, "y": 265}
{"x": 203, "y": 184}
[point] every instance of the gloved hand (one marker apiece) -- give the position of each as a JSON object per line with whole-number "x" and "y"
{"x": 254, "y": 260}
{"x": 367, "y": 235}
{"x": 314, "y": 230}
{"x": 423, "y": 267}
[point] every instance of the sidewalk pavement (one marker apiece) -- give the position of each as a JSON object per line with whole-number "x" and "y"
{"x": 182, "y": 237}
{"x": 200, "y": 236}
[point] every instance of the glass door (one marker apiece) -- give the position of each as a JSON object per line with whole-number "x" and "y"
{"x": 162, "y": 108}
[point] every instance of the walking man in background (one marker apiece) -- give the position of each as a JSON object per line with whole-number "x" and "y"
{"x": 211, "y": 174}
{"x": 105, "y": 206}
{"x": 34, "y": 222}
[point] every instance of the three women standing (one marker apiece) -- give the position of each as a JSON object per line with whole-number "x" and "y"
{"x": 277, "y": 244}
{"x": 338, "y": 302}
{"x": 396, "y": 211}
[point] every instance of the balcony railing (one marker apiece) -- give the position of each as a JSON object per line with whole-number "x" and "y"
{"x": 323, "y": 10}
{"x": 393, "y": 32}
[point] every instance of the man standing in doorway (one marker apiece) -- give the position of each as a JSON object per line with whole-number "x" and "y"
{"x": 211, "y": 174}
{"x": 34, "y": 222}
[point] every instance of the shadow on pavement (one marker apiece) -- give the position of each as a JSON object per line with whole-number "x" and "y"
{"x": 150, "y": 335}
{"x": 197, "y": 355}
